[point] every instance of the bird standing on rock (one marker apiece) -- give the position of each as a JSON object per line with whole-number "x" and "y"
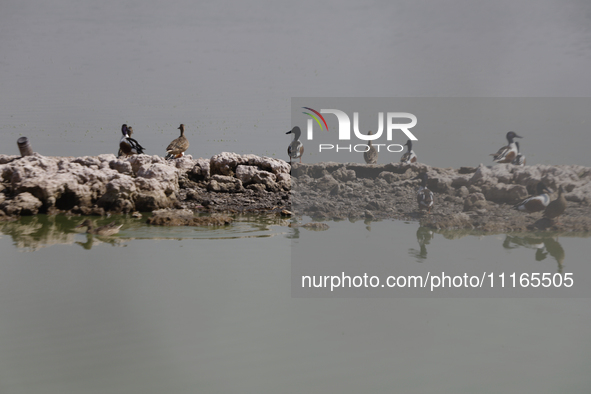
{"x": 410, "y": 156}
{"x": 178, "y": 147}
{"x": 371, "y": 155}
{"x": 508, "y": 152}
{"x": 556, "y": 207}
{"x": 424, "y": 195}
{"x": 127, "y": 145}
{"x": 296, "y": 148}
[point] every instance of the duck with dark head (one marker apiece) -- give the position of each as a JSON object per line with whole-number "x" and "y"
{"x": 127, "y": 145}
{"x": 295, "y": 149}
{"x": 509, "y": 152}
{"x": 410, "y": 156}
{"x": 424, "y": 195}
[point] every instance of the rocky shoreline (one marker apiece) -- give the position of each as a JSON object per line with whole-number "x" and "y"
{"x": 478, "y": 198}
{"x": 227, "y": 182}
{"x": 470, "y": 197}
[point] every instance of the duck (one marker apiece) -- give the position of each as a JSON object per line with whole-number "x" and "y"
{"x": 536, "y": 203}
{"x": 296, "y": 148}
{"x": 127, "y": 145}
{"x": 556, "y": 207}
{"x": 371, "y": 154}
{"x": 106, "y": 230}
{"x": 178, "y": 147}
{"x": 424, "y": 195}
{"x": 520, "y": 158}
{"x": 409, "y": 156}
{"x": 508, "y": 152}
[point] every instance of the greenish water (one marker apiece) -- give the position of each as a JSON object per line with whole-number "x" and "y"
{"x": 158, "y": 309}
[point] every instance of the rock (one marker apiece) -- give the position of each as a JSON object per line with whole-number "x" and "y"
{"x": 483, "y": 175}
{"x": 23, "y": 204}
{"x": 389, "y": 177}
{"x": 121, "y": 166}
{"x": 184, "y": 163}
{"x": 462, "y": 192}
{"x": 283, "y": 177}
{"x": 224, "y": 184}
{"x": 256, "y": 187}
{"x": 501, "y": 192}
{"x": 200, "y": 171}
{"x": 274, "y": 166}
{"x": 225, "y": 163}
{"x": 325, "y": 183}
{"x": 5, "y": 159}
{"x": 475, "y": 201}
{"x": 467, "y": 170}
{"x": 344, "y": 175}
{"x": 251, "y": 174}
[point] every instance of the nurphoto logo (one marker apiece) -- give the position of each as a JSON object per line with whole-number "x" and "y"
{"x": 344, "y": 129}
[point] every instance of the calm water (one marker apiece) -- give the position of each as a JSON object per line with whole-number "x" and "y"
{"x": 183, "y": 309}
{"x": 191, "y": 310}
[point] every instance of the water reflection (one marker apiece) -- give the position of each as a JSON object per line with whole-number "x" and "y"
{"x": 34, "y": 232}
{"x": 424, "y": 237}
{"x": 544, "y": 245}
{"x": 94, "y": 240}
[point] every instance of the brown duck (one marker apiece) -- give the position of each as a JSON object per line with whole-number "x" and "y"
{"x": 107, "y": 229}
{"x": 178, "y": 147}
{"x": 371, "y": 155}
{"x": 556, "y": 207}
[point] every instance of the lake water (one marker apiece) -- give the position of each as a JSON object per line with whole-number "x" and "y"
{"x": 184, "y": 310}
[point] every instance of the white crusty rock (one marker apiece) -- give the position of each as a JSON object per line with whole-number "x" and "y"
{"x": 251, "y": 174}
{"x": 200, "y": 170}
{"x": 225, "y": 163}
{"x": 224, "y": 184}
{"x": 23, "y": 204}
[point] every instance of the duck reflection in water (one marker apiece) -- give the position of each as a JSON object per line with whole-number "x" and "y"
{"x": 424, "y": 237}
{"x": 544, "y": 246}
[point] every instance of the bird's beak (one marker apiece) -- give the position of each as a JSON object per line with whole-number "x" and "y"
{"x": 518, "y": 136}
{"x": 78, "y": 226}
{"x": 289, "y": 132}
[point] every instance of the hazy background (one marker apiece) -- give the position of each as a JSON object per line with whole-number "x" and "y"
{"x": 72, "y": 72}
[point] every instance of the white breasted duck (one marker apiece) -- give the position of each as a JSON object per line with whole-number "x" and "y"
{"x": 371, "y": 155}
{"x": 296, "y": 148}
{"x": 424, "y": 195}
{"x": 520, "y": 158}
{"x": 536, "y": 203}
{"x": 127, "y": 145}
{"x": 178, "y": 147}
{"x": 409, "y": 156}
{"x": 507, "y": 153}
